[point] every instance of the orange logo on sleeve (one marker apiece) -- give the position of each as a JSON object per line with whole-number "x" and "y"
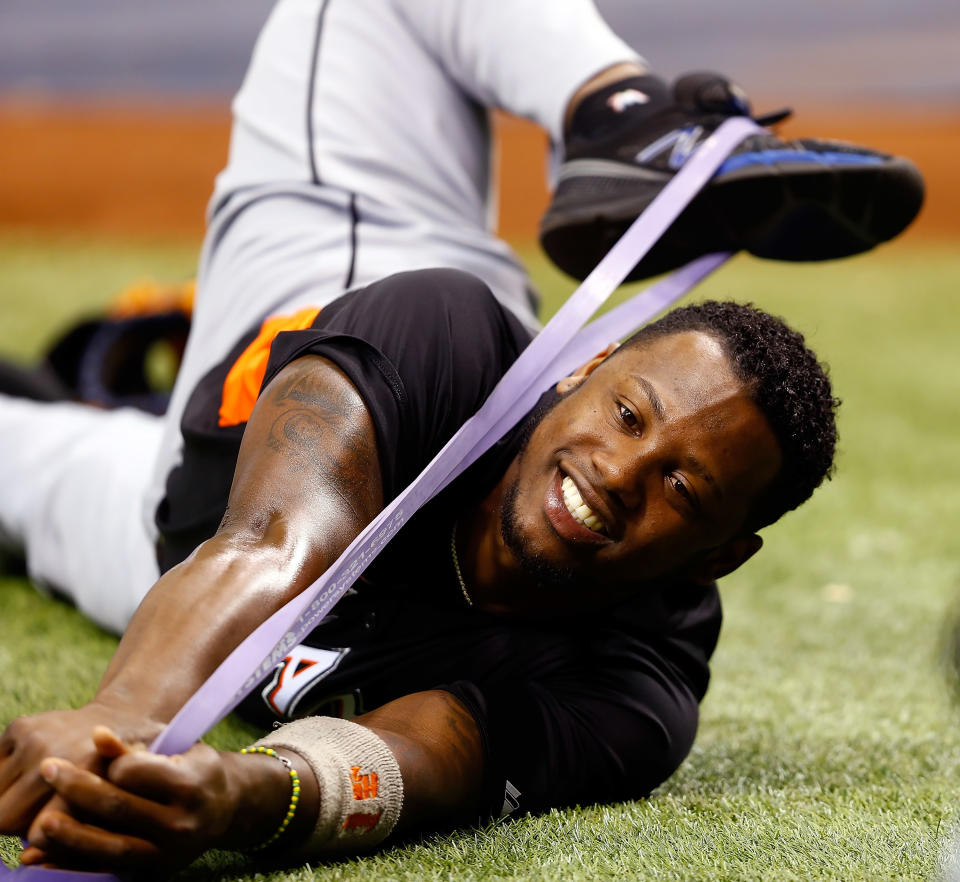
{"x": 242, "y": 385}
{"x": 364, "y": 786}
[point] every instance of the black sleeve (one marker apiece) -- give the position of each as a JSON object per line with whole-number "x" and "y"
{"x": 611, "y": 722}
{"x": 424, "y": 349}
{"x": 564, "y": 741}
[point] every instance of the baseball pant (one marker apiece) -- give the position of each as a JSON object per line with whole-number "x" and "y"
{"x": 360, "y": 147}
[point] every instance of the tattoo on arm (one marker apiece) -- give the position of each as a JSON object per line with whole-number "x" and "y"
{"x": 317, "y": 430}
{"x": 317, "y": 425}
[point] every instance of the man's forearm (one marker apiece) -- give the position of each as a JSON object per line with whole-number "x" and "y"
{"x": 438, "y": 747}
{"x": 195, "y": 616}
{"x": 307, "y": 482}
{"x": 416, "y": 762}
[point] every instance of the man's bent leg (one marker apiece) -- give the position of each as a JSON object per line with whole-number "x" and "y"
{"x": 529, "y": 57}
{"x": 379, "y": 109}
{"x": 341, "y": 172}
{"x": 73, "y": 482}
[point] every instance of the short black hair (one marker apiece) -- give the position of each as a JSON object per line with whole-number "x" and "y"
{"x": 787, "y": 382}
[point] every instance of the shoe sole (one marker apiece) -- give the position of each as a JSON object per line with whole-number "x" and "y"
{"x": 780, "y": 211}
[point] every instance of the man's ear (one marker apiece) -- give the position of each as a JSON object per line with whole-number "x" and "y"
{"x": 723, "y": 560}
{"x": 584, "y": 371}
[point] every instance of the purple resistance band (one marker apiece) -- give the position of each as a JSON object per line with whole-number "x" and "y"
{"x": 554, "y": 353}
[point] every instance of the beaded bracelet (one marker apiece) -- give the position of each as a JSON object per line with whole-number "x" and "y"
{"x": 294, "y": 795}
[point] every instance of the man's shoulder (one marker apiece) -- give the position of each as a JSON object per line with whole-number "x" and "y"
{"x": 671, "y": 609}
{"x": 436, "y": 302}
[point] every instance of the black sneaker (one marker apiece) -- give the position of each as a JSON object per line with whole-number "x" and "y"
{"x": 786, "y": 200}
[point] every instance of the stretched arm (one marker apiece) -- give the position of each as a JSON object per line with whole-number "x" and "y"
{"x": 307, "y": 481}
{"x": 152, "y": 812}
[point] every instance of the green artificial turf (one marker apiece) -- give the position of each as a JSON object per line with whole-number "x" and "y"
{"x": 828, "y": 747}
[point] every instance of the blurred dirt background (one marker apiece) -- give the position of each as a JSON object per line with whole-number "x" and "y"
{"x": 125, "y": 170}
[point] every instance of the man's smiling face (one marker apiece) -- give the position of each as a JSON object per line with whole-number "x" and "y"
{"x": 646, "y": 469}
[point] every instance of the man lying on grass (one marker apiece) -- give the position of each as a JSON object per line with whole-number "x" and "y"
{"x": 538, "y": 635}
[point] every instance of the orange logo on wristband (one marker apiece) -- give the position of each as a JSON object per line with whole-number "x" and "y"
{"x": 361, "y": 821}
{"x": 364, "y": 786}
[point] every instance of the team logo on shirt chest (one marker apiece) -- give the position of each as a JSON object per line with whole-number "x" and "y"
{"x": 299, "y": 672}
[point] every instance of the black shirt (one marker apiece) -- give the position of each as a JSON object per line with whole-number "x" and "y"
{"x": 598, "y": 708}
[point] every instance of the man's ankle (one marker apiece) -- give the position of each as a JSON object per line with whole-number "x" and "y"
{"x": 601, "y": 102}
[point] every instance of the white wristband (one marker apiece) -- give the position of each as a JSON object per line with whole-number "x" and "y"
{"x": 361, "y": 789}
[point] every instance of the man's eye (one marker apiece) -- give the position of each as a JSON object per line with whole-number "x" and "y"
{"x": 628, "y": 417}
{"x": 679, "y": 486}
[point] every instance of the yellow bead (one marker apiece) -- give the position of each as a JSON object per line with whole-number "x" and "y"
{"x": 294, "y": 791}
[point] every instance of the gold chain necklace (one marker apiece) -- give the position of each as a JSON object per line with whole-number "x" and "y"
{"x": 456, "y": 565}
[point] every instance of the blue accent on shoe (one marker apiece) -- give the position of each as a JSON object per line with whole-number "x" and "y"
{"x": 663, "y": 143}
{"x": 771, "y": 157}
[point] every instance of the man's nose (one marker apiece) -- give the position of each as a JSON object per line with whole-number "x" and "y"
{"x": 625, "y": 473}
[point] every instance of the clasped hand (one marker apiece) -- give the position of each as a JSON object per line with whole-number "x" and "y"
{"x": 86, "y": 798}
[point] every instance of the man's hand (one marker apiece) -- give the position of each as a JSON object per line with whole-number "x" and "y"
{"x": 149, "y": 812}
{"x": 307, "y": 482}
{"x": 29, "y": 740}
{"x": 157, "y": 813}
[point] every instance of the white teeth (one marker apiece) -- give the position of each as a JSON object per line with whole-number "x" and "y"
{"x": 579, "y": 510}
